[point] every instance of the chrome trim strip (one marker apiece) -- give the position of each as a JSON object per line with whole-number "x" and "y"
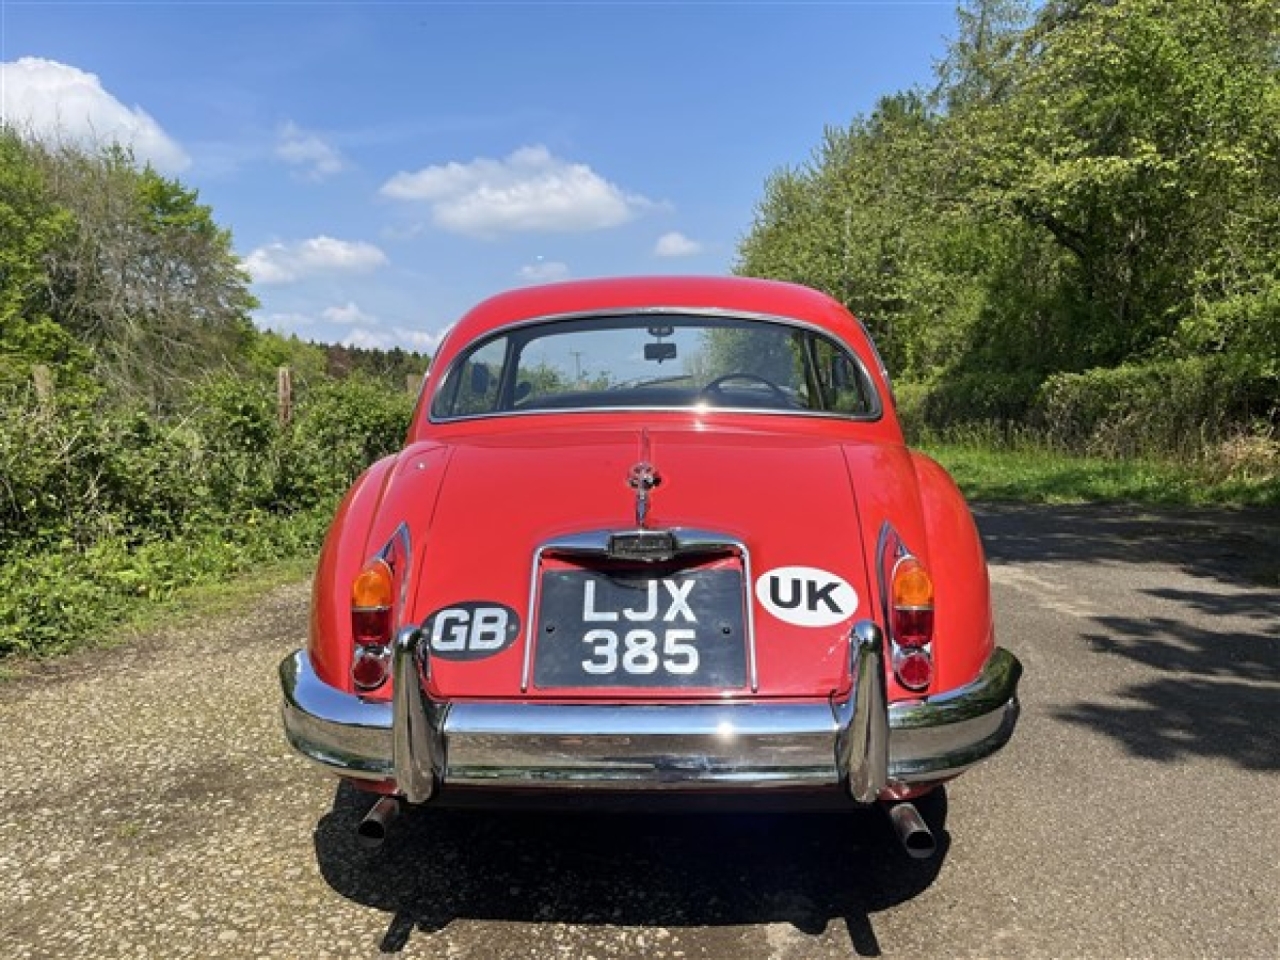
{"x": 535, "y": 582}
{"x": 749, "y": 600}
{"x": 862, "y": 746}
{"x": 889, "y": 550}
{"x": 417, "y": 747}
{"x": 674, "y": 746}
{"x": 755, "y": 411}
{"x": 388, "y": 553}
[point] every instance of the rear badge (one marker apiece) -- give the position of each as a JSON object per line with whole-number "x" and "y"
{"x": 471, "y": 630}
{"x": 806, "y": 596}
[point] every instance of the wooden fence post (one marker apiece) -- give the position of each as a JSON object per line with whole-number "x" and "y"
{"x": 284, "y": 396}
{"x": 42, "y": 380}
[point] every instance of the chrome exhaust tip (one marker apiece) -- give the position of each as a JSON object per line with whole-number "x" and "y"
{"x": 372, "y": 830}
{"x": 913, "y": 833}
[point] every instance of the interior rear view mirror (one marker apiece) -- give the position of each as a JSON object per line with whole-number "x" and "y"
{"x": 659, "y": 351}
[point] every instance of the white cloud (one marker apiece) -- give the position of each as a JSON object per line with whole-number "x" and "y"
{"x": 544, "y": 271}
{"x": 676, "y": 244}
{"x": 349, "y": 313}
{"x": 312, "y": 157}
{"x": 59, "y": 103}
{"x": 422, "y": 341}
{"x": 530, "y": 190}
{"x": 360, "y": 337}
{"x": 366, "y": 332}
{"x": 285, "y": 322}
{"x": 278, "y": 263}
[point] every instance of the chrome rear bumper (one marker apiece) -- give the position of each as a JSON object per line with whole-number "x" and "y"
{"x": 419, "y": 744}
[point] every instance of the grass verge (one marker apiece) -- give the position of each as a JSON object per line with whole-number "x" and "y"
{"x": 1032, "y": 474}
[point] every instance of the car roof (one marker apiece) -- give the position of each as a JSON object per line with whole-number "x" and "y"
{"x": 743, "y": 295}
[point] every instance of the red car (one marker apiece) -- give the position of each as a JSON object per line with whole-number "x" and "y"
{"x": 656, "y": 534}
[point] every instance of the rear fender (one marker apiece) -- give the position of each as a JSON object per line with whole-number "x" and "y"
{"x": 964, "y": 630}
{"x": 392, "y": 500}
{"x": 917, "y": 498}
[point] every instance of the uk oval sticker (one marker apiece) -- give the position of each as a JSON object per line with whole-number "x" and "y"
{"x": 806, "y": 596}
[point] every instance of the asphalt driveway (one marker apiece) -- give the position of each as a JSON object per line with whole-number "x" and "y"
{"x": 150, "y": 808}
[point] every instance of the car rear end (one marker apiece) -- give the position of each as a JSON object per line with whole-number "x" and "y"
{"x": 583, "y": 582}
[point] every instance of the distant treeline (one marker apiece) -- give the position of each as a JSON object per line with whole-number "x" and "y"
{"x": 1076, "y": 229}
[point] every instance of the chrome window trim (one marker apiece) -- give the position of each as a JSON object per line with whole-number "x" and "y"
{"x": 595, "y": 543}
{"x": 878, "y": 404}
{"x": 890, "y": 551}
{"x": 399, "y": 537}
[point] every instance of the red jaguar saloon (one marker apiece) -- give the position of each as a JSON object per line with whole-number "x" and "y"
{"x": 653, "y": 536}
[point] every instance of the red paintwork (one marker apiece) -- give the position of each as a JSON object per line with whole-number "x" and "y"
{"x": 478, "y": 497}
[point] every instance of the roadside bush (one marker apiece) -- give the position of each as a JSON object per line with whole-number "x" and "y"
{"x": 104, "y": 508}
{"x": 234, "y": 420}
{"x": 964, "y": 398}
{"x": 64, "y": 596}
{"x": 1173, "y": 408}
{"x": 70, "y": 472}
{"x": 340, "y": 428}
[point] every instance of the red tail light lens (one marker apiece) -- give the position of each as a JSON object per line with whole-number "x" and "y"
{"x": 371, "y": 667}
{"x": 372, "y": 607}
{"x": 914, "y": 670}
{"x": 912, "y": 604}
{"x": 911, "y": 627}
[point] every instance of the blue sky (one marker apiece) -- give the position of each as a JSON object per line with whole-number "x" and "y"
{"x": 384, "y": 166}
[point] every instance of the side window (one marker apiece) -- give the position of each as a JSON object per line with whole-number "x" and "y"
{"x": 478, "y": 381}
{"x": 841, "y": 381}
{"x": 851, "y": 393}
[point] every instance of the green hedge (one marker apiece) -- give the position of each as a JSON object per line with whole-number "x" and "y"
{"x": 104, "y": 508}
{"x": 996, "y": 401}
{"x": 1183, "y": 409}
{"x": 1188, "y": 410}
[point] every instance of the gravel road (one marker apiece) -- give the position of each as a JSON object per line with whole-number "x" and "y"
{"x": 150, "y": 808}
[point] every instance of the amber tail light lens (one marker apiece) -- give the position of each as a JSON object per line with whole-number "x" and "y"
{"x": 372, "y": 609}
{"x": 911, "y": 627}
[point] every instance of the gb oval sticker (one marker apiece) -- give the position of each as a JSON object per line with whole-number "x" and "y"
{"x": 471, "y": 630}
{"x": 806, "y": 596}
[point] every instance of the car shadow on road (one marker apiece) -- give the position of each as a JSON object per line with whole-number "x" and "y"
{"x": 652, "y": 870}
{"x": 1233, "y": 546}
{"x": 1213, "y": 663}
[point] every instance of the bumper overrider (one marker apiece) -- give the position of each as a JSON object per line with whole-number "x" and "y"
{"x": 864, "y": 743}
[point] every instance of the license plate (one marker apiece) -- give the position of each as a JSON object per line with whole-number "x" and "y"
{"x": 605, "y": 630}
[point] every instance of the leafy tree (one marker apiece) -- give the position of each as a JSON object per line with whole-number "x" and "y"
{"x": 269, "y": 351}
{"x": 144, "y": 276}
{"x": 392, "y": 366}
{"x": 1093, "y": 185}
{"x": 1137, "y": 131}
{"x": 31, "y": 226}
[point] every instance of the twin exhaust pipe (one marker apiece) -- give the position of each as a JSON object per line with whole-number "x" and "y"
{"x": 372, "y": 830}
{"x": 912, "y": 832}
